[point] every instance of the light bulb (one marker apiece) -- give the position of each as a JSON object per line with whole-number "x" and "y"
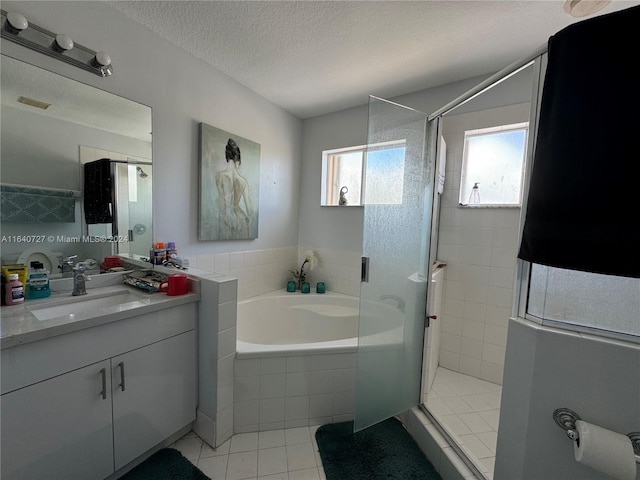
{"x": 16, "y": 22}
{"x": 102, "y": 59}
{"x": 63, "y": 43}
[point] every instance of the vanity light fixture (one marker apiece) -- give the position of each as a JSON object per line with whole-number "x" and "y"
{"x": 16, "y": 28}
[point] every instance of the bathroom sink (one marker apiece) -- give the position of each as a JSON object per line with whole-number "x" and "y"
{"x": 96, "y": 303}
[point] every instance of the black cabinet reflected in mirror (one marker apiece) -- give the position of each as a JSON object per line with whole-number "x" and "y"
{"x": 51, "y": 127}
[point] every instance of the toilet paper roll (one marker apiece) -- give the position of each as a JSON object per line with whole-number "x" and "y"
{"x": 605, "y": 451}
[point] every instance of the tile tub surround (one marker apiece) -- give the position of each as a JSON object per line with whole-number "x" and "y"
{"x": 293, "y": 391}
{"x": 263, "y": 271}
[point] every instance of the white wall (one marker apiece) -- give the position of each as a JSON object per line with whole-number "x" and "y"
{"x": 182, "y": 91}
{"x": 547, "y": 369}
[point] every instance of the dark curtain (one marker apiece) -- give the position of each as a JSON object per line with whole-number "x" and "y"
{"x": 582, "y": 210}
{"x": 97, "y": 193}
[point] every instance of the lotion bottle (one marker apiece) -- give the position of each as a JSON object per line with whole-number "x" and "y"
{"x": 14, "y": 294}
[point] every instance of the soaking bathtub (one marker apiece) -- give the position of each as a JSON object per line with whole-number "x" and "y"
{"x": 280, "y": 323}
{"x": 295, "y": 360}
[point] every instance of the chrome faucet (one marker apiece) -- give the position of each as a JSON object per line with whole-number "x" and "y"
{"x": 79, "y": 279}
{"x": 396, "y": 298}
{"x": 66, "y": 266}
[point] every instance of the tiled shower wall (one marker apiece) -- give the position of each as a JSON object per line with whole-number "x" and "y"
{"x": 479, "y": 246}
{"x": 263, "y": 271}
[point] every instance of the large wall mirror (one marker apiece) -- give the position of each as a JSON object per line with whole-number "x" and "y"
{"x": 52, "y": 127}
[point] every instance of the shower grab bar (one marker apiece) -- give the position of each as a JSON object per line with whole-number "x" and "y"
{"x": 566, "y": 419}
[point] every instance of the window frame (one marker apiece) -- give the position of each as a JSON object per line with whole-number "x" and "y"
{"x": 325, "y": 184}
{"x": 363, "y": 149}
{"x": 465, "y": 154}
{"x": 521, "y": 304}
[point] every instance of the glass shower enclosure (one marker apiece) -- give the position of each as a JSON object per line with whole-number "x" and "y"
{"x": 398, "y": 193}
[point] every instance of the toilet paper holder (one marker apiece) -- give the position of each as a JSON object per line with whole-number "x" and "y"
{"x": 566, "y": 419}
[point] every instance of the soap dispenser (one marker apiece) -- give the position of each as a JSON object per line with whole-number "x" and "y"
{"x": 474, "y": 198}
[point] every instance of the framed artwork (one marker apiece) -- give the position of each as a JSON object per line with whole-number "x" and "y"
{"x": 229, "y": 186}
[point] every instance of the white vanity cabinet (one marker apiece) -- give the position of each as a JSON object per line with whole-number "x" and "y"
{"x": 65, "y": 413}
{"x": 59, "y": 428}
{"x": 158, "y": 396}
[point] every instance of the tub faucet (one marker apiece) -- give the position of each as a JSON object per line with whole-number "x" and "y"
{"x": 79, "y": 280}
{"x": 66, "y": 266}
{"x": 396, "y": 298}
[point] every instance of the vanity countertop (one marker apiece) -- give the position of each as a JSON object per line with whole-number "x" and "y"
{"x": 19, "y": 324}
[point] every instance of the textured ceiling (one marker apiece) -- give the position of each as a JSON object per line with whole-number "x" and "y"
{"x": 316, "y": 57}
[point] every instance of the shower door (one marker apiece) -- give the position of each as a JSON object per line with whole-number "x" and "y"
{"x": 397, "y": 218}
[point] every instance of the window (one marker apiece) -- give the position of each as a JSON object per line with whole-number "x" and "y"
{"x": 343, "y": 175}
{"x": 493, "y": 165}
{"x": 342, "y": 171}
{"x": 606, "y": 303}
{"x": 385, "y": 174}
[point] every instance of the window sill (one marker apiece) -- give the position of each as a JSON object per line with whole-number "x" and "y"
{"x": 584, "y": 330}
{"x": 463, "y": 205}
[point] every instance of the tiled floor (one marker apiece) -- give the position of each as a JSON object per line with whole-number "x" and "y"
{"x": 469, "y": 409}
{"x": 290, "y": 454}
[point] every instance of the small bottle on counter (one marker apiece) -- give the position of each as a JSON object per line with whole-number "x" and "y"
{"x": 14, "y": 290}
{"x": 159, "y": 253}
{"x": 172, "y": 252}
{"x": 37, "y": 282}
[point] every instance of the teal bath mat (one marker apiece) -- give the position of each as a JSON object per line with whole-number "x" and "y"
{"x": 385, "y": 450}
{"x": 165, "y": 464}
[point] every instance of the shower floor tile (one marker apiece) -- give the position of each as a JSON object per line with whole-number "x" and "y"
{"x": 468, "y": 409}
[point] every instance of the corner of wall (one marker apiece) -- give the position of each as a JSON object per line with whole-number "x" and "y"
{"x": 516, "y": 399}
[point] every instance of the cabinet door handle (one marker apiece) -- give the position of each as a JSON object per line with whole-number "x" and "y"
{"x": 121, "y": 365}
{"x": 103, "y": 373}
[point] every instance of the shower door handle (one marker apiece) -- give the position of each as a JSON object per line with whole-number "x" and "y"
{"x": 427, "y": 320}
{"x": 364, "y": 272}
